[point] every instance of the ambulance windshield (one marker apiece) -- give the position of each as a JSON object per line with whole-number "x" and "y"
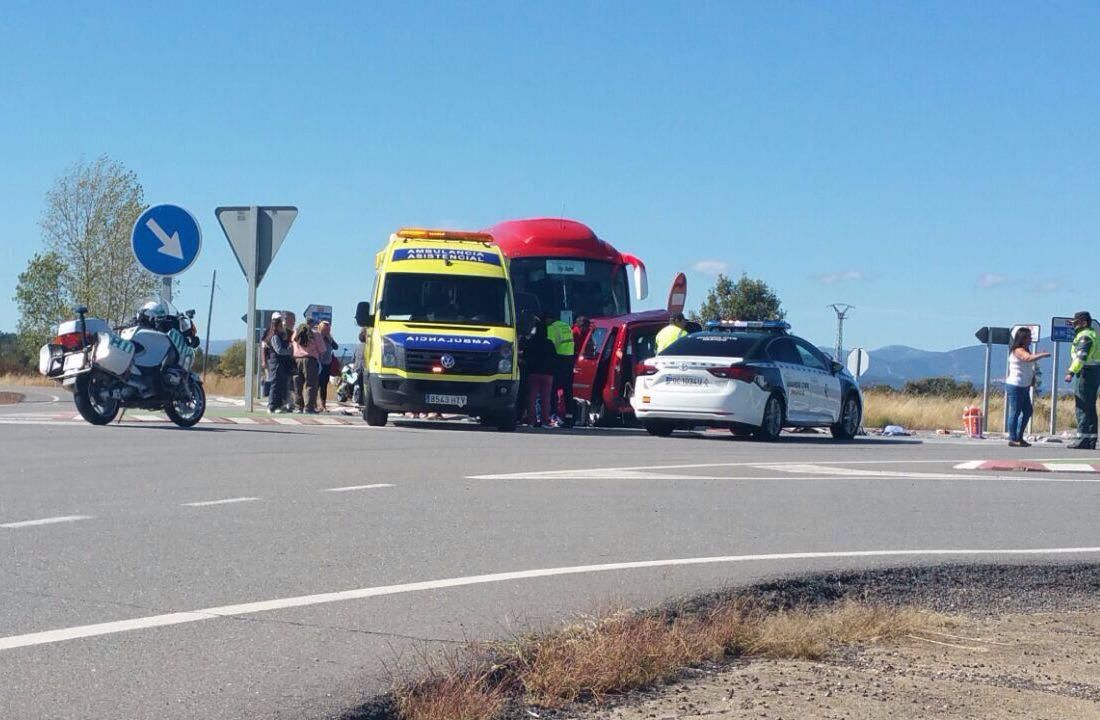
{"x": 448, "y": 299}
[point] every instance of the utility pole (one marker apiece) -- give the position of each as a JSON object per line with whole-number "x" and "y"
{"x": 209, "y": 316}
{"x": 841, "y": 310}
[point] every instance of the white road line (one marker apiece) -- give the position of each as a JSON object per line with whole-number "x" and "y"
{"x": 970, "y": 465}
{"x": 852, "y": 472}
{"x": 227, "y": 501}
{"x": 46, "y": 521}
{"x": 179, "y": 618}
{"x": 358, "y": 487}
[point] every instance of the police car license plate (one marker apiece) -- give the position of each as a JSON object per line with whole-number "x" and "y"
{"x": 459, "y": 400}
{"x": 685, "y": 380}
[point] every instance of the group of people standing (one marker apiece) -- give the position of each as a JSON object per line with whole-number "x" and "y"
{"x": 298, "y": 365}
{"x": 549, "y": 354}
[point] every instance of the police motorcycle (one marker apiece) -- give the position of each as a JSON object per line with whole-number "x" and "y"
{"x": 144, "y": 365}
{"x": 350, "y": 388}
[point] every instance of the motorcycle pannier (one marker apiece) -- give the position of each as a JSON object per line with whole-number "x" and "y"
{"x": 113, "y": 354}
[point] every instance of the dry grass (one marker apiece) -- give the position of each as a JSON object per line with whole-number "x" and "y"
{"x": 625, "y": 651}
{"x": 215, "y": 383}
{"x": 25, "y": 380}
{"x": 934, "y": 413}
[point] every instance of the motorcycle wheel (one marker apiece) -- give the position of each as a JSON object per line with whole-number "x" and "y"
{"x": 186, "y": 413}
{"x": 342, "y": 393}
{"x": 91, "y": 400}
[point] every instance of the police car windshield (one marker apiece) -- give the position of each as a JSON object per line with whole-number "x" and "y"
{"x": 449, "y": 299}
{"x": 716, "y": 345}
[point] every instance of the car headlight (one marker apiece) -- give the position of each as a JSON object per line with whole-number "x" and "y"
{"x": 389, "y": 353}
{"x": 505, "y": 365}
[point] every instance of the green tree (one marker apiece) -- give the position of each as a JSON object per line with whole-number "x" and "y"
{"x": 746, "y": 299}
{"x": 231, "y": 362}
{"x": 42, "y": 301}
{"x": 90, "y": 212}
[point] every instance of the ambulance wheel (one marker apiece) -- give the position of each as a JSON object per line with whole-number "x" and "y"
{"x": 772, "y": 422}
{"x": 659, "y": 428}
{"x": 851, "y": 417}
{"x": 91, "y": 398}
{"x": 372, "y": 414}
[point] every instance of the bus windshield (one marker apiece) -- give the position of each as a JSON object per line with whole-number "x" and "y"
{"x": 571, "y": 288}
{"x": 452, "y": 299}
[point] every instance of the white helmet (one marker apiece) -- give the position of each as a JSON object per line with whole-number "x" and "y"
{"x": 153, "y": 310}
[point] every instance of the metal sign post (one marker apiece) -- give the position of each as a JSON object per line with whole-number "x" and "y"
{"x": 989, "y": 336}
{"x": 255, "y": 233}
{"x": 1061, "y": 331}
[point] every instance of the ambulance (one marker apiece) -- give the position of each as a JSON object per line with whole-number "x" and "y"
{"x": 440, "y": 329}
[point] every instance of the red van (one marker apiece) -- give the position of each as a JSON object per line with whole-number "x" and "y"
{"x": 603, "y": 377}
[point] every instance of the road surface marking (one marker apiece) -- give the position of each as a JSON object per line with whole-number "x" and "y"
{"x": 807, "y": 469}
{"x": 224, "y": 611}
{"x": 227, "y": 501}
{"x": 358, "y": 487}
{"x": 46, "y": 521}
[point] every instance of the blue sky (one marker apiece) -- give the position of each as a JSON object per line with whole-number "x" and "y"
{"x": 934, "y": 164}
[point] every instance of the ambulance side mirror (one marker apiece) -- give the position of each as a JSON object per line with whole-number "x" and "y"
{"x": 363, "y": 318}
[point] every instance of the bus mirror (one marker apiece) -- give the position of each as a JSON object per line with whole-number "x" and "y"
{"x": 641, "y": 280}
{"x": 363, "y": 317}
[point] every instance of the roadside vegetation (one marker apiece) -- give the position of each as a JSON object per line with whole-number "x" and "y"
{"x": 598, "y": 658}
{"x": 938, "y": 412}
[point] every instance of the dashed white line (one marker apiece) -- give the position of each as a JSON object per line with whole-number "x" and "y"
{"x": 46, "y": 521}
{"x": 179, "y": 618}
{"x": 349, "y": 488}
{"x": 227, "y": 501}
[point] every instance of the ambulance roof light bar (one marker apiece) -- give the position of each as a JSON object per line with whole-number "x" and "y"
{"x": 749, "y": 325}
{"x": 457, "y": 235}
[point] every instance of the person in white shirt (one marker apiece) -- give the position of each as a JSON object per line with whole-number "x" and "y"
{"x": 1021, "y": 376}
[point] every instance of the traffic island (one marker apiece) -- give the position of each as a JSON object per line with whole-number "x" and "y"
{"x": 1056, "y": 466}
{"x": 11, "y": 398}
{"x": 953, "y": 641}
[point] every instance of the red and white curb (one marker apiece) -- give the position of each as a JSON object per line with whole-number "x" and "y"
{"x": 1029, "y": 466}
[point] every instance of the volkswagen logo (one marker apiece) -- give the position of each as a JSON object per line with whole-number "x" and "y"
{"x": 447, "y": 361}
{"x": 683, "y": 367}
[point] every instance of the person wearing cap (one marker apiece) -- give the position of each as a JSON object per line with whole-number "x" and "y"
{"x": 561, "y": 335}
{"x": 671, "y": 332}
{"x": 1084, "y": 371}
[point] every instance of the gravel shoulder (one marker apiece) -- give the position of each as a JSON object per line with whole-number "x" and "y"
{"x": 1024, "y": 643}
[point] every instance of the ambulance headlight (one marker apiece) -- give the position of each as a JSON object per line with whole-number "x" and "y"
{"x": 504, "y": 365}
{"x": 389, "y": 353}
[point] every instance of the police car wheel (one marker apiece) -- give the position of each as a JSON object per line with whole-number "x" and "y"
{"x": 850, "y": 420}
{"x": 659, "y": 428}
{"x": 771, "y": 425}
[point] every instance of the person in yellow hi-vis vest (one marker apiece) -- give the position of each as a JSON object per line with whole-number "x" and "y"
{"x": 561, "y": 335}
{"x": 1085, "y": 370}
{"x": 671, "y": 332}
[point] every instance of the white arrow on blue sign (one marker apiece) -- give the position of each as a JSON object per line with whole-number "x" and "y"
{"x": 166, "y": 240}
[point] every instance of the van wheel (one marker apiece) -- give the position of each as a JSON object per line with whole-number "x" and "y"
{"x": 374, "y": 415}
{"x": 659, "y": 428}
{"x": 772, "y": 422}
{"x": 851, "y": 417}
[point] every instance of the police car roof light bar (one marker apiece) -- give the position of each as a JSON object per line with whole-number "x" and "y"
{"x": 780, "y": 325}
{"x": 457, "y": 235}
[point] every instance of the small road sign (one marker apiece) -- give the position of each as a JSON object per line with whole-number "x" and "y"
{"x": 1061, "y": 329}
{"x": 318, "y": 313}
{"x": 1035, "y": 328}
{"x": 677, "y": 294}
{"x": 859, "y": 360}
{"x": 994, "y": 336}
{"x": 166, "y": 239}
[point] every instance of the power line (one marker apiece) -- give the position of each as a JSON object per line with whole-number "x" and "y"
{"x": 841, "y": 310}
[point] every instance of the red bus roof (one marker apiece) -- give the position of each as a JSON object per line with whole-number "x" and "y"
{"x": 551, "y": 237}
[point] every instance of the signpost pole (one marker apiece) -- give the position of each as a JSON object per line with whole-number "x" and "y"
{"x": 166, "y": 289}
{"x": 209, "y": 317}
{"x": 985, "y": 387}
{"x": 1054, "y": 391}
{"x": 250, "y": 338}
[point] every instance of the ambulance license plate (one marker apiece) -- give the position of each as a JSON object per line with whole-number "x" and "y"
{"x": 457, "y": 400}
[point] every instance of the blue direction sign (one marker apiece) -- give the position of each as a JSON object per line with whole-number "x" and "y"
{"x": 166, "y": 239}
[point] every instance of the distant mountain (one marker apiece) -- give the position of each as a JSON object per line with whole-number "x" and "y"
{"x": 895, "y": 364}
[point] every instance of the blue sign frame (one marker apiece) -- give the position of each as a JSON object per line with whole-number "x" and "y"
{"x": 166, "y": 239}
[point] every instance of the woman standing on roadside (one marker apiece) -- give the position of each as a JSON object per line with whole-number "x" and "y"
{"x": 307, "y": 355}
{"x": 328, "y": 345}
{"x": 1021, "y": 376}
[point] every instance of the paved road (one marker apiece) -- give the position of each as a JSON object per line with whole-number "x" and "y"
{"x": 139, "y": 526}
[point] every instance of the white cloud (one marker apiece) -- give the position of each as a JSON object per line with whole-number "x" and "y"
{"x": 1049, "y": 286}
{"x": 843, "y": 276}
{"x": 991, "y": 280}
{"x": 710, "y": 267}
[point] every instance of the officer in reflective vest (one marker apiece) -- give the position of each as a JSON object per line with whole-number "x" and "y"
{"x": 1085, "y": 370}
{"x": 561, "y": 335}
{"x": 671, "y": 332}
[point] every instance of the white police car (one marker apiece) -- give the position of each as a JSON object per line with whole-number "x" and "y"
{"x": 749, "y": 377}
